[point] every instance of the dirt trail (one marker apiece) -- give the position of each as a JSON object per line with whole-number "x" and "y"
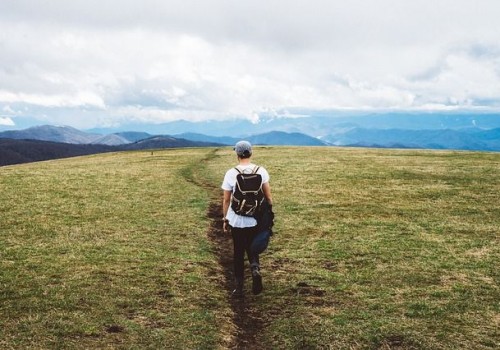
{"x": 246, "y": 317}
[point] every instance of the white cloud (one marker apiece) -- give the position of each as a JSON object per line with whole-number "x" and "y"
{"x": 6, "y": 121}
{"x": 80, "y": 99}
{"x": 152, "y": 61}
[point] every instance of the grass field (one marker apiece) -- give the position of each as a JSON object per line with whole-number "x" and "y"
{"x": 374, "y": 249}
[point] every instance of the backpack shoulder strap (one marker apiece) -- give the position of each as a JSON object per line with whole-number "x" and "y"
{"x": 255, "y": 169}
{"x": 238, "y": 170}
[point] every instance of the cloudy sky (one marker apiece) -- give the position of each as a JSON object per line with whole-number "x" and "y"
{"x": 90, "y": 63}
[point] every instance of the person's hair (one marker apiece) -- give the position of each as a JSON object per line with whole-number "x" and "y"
{"x": 246, "y": 154}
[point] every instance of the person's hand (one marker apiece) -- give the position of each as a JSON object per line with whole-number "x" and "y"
{"x": 225, "y": 226}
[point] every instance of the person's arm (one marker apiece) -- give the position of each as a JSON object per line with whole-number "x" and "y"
{"x": 266, "y": 188}
{"x": 226, "y": 200}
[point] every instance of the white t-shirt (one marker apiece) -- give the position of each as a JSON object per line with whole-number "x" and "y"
{"x": 229, "y": 183}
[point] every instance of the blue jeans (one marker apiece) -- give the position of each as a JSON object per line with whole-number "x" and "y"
{"x": 242, "y": 240}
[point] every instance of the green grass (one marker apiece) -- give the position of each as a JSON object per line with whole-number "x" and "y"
{"x": 107, "y": 251}
{"x": 382, "y": 248}
{"x": 373, "y": 249}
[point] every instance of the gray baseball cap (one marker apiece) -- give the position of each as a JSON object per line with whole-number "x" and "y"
{"x": 243, "y": 149}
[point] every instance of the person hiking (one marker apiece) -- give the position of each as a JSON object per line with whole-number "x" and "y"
{"x": 239, "y": 214}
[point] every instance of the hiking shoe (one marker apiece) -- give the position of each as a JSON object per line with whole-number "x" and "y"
{"x": 256, "y": 282}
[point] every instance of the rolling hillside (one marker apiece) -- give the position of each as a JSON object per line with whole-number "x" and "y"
{"x": 33, "y": 144}
{"x": 157, "y": 142}
{"x": 373, "y": 249}
{"x": 14, "y": 151}
{"x": 26, "y": 151}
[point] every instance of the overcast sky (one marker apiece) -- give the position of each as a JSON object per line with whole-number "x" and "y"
{"x": 90, "y": 63}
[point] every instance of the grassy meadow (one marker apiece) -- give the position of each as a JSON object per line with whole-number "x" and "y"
{"x": 373, "y": 249}
{"x": 108, "y": 251}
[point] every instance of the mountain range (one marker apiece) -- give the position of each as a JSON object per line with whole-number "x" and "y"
{"x": 317, "y": 125}
{"x": 465, "y": 139}
{"x": 447, "y": 131}
{"x": 50, "y": 142}
{"x": 67, "y": 134}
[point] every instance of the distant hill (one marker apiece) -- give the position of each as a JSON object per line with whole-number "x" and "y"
{"x": 491, "y": 137}
{"x": 166, "y": 142}
{"x": 225, "y": 140}
{"x": 284, "y": 138}
{"x": 64, "y": 134}
{"x": 67, "y": 134}
{"x": 467, "y": 139}
{"x": 50, "y": 142}
{"x": 270, "y": 138}
{"x": 24, "y": 151}
{"x": 111, "y": 140}
{"x": 14, "y": 151}
{"x": 133, "y": 136}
